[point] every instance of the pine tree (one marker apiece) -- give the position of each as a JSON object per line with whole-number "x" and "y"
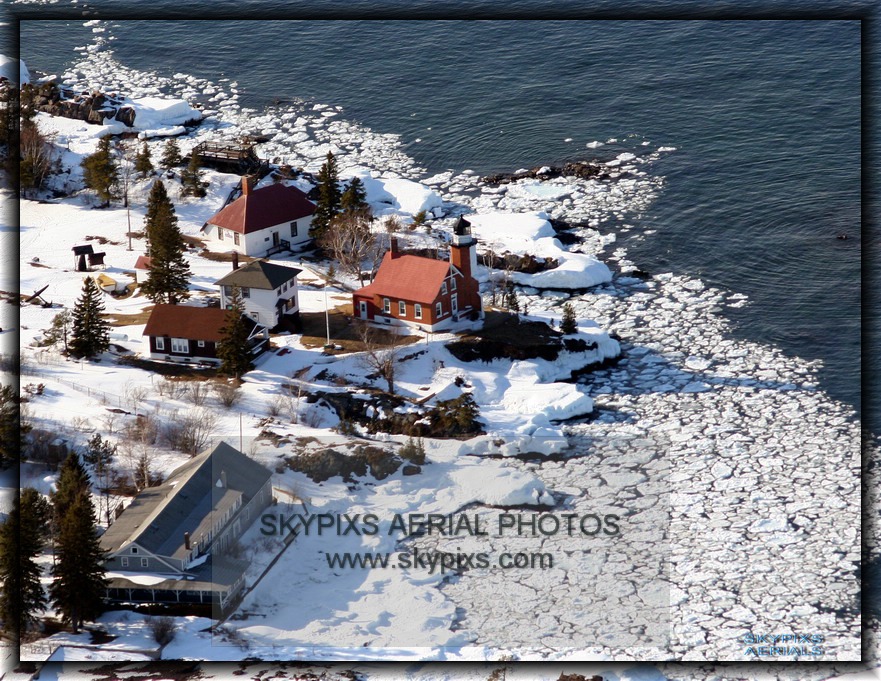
{"x": 168, "y": 278}
{"x": 10, "y": 434}
{"x": 170, "y": 155}
{"x": 100, "y": 170}
{"x": 89, "y": 334}
{"x": 328, "y": 197}
{"x": 191, "y": 178}
{"x": 60, "y": 330}
{"x": 568, "y": 324}
{"x": 73, "y": 480}
{"x": 21, "y": 542}
{"x": 79, "y": 584}
{"x": 233, "y": 350}
{"x": 355, "y": 196}
{"x": 511, "y": 301}
{"x": 143, "y": 161}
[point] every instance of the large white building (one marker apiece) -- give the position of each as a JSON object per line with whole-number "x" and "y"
{"x": 268, "y": 291}
{"x": 261, "y": 221}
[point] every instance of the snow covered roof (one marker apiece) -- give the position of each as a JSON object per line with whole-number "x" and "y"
{"x": 408, "y": 277}
{"x": 260, "y": 275}
{"x": 159, "y": 516}
{"x": 188, "y": 321}
{"x": 262, "y": 208}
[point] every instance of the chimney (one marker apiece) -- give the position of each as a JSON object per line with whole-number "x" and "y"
{"x": 246, "y": 185}
{"x": 393, "y": 247}
{"x": 235, "y": 260}
{"x": 223, "y": 479}
{"x": 187, "y": 541}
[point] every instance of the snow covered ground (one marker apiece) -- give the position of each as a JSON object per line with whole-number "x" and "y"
{"x": 749, "y": 470}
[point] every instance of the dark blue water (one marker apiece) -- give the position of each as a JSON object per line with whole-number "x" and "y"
{"x": 765, "y": 117}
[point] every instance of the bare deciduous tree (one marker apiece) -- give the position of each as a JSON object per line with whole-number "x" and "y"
{"x": 380, "y": 357}
{"x": 351, "y": 242}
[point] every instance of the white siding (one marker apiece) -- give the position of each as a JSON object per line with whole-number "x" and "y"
{"x": 256, "y": 244}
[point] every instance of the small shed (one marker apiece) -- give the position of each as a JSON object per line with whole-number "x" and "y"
{"x": 79, "y": 257}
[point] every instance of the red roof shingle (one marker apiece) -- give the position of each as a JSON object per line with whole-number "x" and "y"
{"x": 262, "y": 208}
{"x": 408, "y": 277}
{"x": 187, "y": 321}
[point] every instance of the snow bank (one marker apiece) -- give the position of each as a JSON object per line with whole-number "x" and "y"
{"x": 156, "y": 116}
{"x": 532, "y": 234}
{"x": 500, "y": 486}
{"x": 8, "y": 70}
{"x": 399, "y": 194}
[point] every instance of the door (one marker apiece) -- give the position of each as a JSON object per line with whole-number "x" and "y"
{"x": 275, "y": 239}
{"x": 363, "y": 309}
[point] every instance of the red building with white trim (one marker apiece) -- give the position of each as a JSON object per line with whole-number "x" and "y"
{"x": 430, "y": 294}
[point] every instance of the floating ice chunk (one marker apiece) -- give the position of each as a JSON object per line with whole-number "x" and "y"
{"x": 594, "y": 144}
{"x": 666, "y": 148}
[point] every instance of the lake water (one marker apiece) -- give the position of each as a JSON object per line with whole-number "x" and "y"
{"x": 764, "y": 116}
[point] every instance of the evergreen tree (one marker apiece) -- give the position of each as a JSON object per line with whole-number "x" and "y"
{"x": 89, "y": 334}
{"x": 143, "y": 161}
{"x": 328, "y": 197}
{"x": 21, "y": 542}
{"x": 10, "y": 437}
{"x": 99, "y": 453}
{"x": 78, "y": 586}
{"x": 511, "y": 301}
{"x": 568, "y": 323}
{"x": 233, "y": 350}
{"x": 191, "y": 178}
{"x": 355, "y": 196}
{"x": 170, "y": 155}
{"x": 73, "y": 480}
{"x": 60, "y": 330}
{"x": 168, "y": 278}
{"x": 100, "y": 170}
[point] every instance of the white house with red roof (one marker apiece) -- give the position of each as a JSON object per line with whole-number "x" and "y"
{"x": 261, "y": 221}
{"x": 429, "y": 294}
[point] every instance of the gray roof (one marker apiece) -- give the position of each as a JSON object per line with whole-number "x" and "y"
{"x": 190, "y": 500}
{"x": 217, "y": 573}
{"x": 259, "y": 274}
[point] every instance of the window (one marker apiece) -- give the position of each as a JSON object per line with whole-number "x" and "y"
{"x": 246, "y": 292}
{"x": 160, "y": 343}
{"x": 235, "y": 238}
{"x": 124, "y": 561}
{"x": 402, "y": 308}
{"x": 386, "y": 305}
{"x": 293, "y": 229}
{"x": 444, "y": 289}
{"x": 220, "y": 233}
{"x": 255, "y": 316}
{"x": 200, "y": 344}
{"x": 417, "y": 311}
{"x": 145, "y": 562}
{"x": 284, "y": 287}
{"x": 453, "y": 283}
{"x": 180, "y": 345}
{"x": 439, "y": 310}
{"x": 134, "y": 549}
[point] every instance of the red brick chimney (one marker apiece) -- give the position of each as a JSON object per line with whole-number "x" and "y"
{"x": 235, "y": 260}
{"x": 393, "y": 247}
{"x": 246, "y": 185}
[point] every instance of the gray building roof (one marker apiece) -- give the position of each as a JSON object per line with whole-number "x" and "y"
{"x": 259, "y": 274}
{"x": 192, "y": 499}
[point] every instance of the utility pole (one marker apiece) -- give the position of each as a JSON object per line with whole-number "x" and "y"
{"x": 326, "y": 314}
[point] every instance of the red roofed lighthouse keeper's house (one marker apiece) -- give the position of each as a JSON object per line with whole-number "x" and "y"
{"x": 430, "y": 294}
{"x": 261, "y": 221}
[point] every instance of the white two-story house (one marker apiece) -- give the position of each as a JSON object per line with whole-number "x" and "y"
{"x": 268, "y": 291}
{"x": 261, "y": 222}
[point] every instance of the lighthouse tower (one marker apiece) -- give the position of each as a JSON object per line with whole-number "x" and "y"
{"x": 463, "y": 256}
